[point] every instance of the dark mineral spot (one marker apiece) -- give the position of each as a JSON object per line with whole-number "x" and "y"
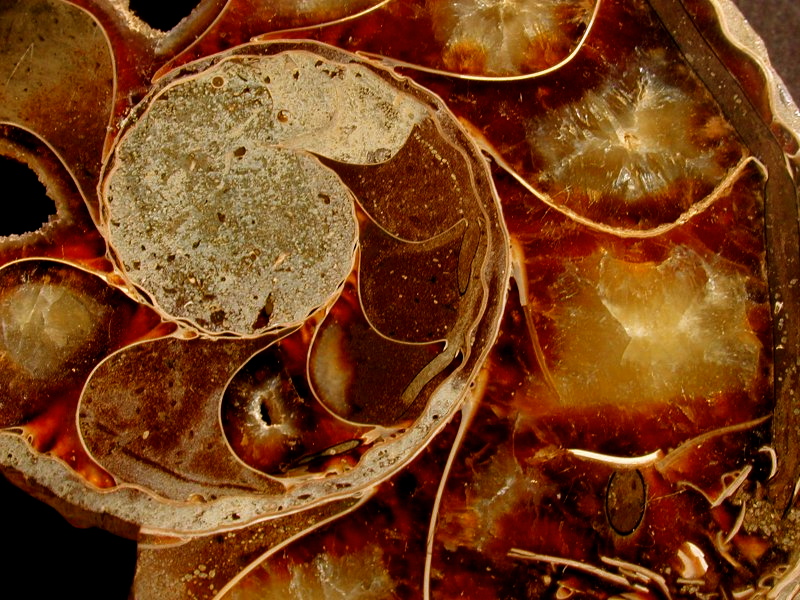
{"x": 265, "y": 414}
{"x": 265, "y": 314}
{"x": 625, "y": 501}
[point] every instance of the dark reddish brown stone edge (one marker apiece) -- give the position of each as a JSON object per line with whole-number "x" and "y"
{"x": 782, "y": 234}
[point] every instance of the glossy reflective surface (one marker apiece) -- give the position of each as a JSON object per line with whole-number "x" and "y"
{"x": 510, "y": 309}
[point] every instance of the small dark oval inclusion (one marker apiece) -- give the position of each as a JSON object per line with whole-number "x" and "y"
{"x": 626, "y": 498}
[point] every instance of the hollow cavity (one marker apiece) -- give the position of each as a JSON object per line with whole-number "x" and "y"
{"x": 33, "y": 208}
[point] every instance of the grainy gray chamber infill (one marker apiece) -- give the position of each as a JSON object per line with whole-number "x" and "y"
{"x": 217, "y": 205}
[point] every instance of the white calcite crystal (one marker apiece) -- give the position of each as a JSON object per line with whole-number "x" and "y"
{"x": 644, "y": 332}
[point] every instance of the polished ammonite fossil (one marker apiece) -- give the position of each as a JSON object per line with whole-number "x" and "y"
{"x": 406, "y": 299}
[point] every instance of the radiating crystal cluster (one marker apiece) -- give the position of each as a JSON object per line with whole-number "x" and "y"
{"x": 659, "y": 330}
{"x": 634, "y": 136}
{"x": 406, "y": 298}
{"x": 43, "y": 326}
{"x": 503, "y": 36}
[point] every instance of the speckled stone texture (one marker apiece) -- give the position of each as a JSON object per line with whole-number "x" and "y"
{"x": 112, "y": 558}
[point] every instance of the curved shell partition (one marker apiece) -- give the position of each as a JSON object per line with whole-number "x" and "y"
{"x": 405, "y": 298}
{"x": 310, "y": 334}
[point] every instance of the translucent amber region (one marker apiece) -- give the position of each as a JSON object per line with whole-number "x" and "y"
{"x": 358, "y": 573}
{"x": 400, "y": 299}
{"x": 44, "y": 326}
{"x": 676, "y": 328}
{"x": 505, "y": 37}
{"x": 636, "y": 136}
